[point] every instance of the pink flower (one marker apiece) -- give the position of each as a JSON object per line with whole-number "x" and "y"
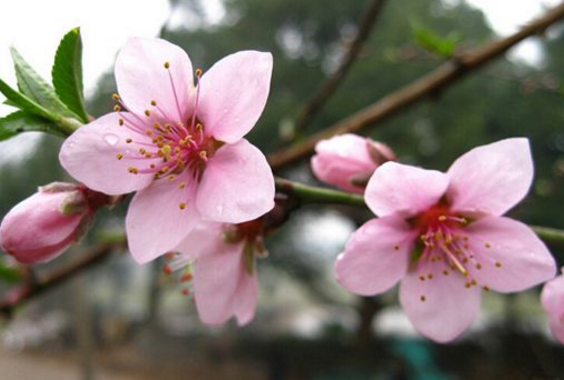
{"x": 224, "y": 277}
{"x": 42, "y": 226}
{"x": 348, "y": 161}
{"x": 180, "y": 147}
{"x": 552, "y": 300}
{"x": 443, "y": 236}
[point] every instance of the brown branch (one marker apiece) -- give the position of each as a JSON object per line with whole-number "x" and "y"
{"x": 35, "y": 286}
{"x": 310, "y": 110}
{"x": 431, "y": 84}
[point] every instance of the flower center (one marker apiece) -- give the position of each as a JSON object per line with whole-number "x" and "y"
{"x": 166, "y": 145}
{"x": 444, "y": 247}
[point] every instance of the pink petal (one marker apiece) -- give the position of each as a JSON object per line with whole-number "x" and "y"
{"x": 440, "y": 308}
{"x": 223, "y": 287}
{"x": 233, "y": 94}
{"x": 155, "y": 223}
{"x": 89, "y": 155}
{"x": 557, "y": 328}
{"x": 552, "y": 300}
{"x": 141, "y": 77}
{"x": 492, "y": 178}
{"x": 237, "y": 185}
{"x": 201, "y": 240}
{"x": 376, "y": 256}
{"x": 339, "y": 159}
{"x": 397, "y": 188}
{"x": 511, "y": 256}
{"x": 552, "y": 297}
{"x": 36, "y": 231}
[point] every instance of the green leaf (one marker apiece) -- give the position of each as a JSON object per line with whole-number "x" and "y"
{"x": 67, "y": 73}
{"x": 429, "y": 40}
{"x": 20, "y": 121}
{"x": 36, "y": 88}
{"x": 25, "y": 103}
{"x": 9, "y": 275}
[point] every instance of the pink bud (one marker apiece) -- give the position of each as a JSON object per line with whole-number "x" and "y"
{"x": 348, "y": 161}
{"x": 42, "y": 226}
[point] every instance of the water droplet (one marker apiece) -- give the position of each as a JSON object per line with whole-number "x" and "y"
{"x": 111, "y": 139}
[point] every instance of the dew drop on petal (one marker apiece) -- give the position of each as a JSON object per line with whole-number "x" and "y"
{"x": 111, "y": 139}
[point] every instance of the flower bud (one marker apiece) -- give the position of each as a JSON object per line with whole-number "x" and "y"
{"x": 42, "y": 226}
{"x": 348, "y": 161}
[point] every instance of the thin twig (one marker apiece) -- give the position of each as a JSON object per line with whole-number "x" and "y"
{"x": 326, "y": 90}
{"x": 431, "y": 84}
{"x": 36, "y": 286}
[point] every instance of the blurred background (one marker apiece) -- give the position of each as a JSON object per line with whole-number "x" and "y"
{"x": 120, "y": 321}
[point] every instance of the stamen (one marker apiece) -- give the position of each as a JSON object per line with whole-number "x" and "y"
{"x": 454, "y": 260}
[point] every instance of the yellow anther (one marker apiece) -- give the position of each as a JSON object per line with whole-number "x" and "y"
{"x": 445, "y": 272}
{"x": 182, "y": 185}
{"x": 149, "y": 132}
{"x": 142, "y": 150}
{"x": 167, "y": 65}
{"x": 439, "y": 236}
{"x": 115, "y": 96}
{"x": 422, "y": 278}
{"x": 430, "y": 276}
{"x": 396, "y": 247}
{"x": 147, "y": 113}
{"x": 204, "y": 155}
{"x": 153, "y": 103}
{"x": 117, "y": 108}
{"x": 488, "y": 245}
{"x": 133, "y": 170}
{"x": 121, "y": 122}
{"x": 467, "y": 285}
{"x": 422, "y": 298}
{"x": 442, "y": 218}
{"x": 498, "y": 264}
{"x": 171, "y": 177}
{"x": 198, "y": 72}
{"x": 156, "y": 176}
{"x": 152, "y": 166}
{"x": 478, "y": 266}
{"x": 119, "y": 156}
{"x": 128, "y": 140}
{"x": 147, "y": 155}
{"x": 448, "y": 240}
{"x": 199, "y": 126}
{"x": 182, "y": 205}
{"x": 166, "y": 149}
{"x": 473, "y": 282}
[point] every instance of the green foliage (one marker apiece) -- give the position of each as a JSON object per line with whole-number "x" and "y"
{"x": 58, "y": 110}
{"x": 67, "y": 73}
{"x": 25, "y": 103}
{"x": 432, "y": 42}
{"x": 9, "y": 275}
{"x": 20, "y": 121}
{"x": 36, "y": 88}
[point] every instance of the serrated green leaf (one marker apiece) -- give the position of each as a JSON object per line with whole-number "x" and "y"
{"x": 20, "y": 121}
{"x": 9, "y": 275}
{"x": 25, "y": 103}
{"x": 36, "y": 88}
{"x": 67, "y": 73}
{"x": 67, "y": 124}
